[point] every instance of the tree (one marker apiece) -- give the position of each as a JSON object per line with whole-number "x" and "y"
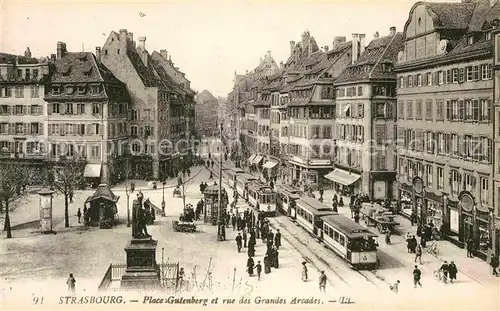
{"x": 68, "y": 177}
{"x": 12, "y": 178}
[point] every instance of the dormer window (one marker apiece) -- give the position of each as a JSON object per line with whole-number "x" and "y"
{"x": 81, "y": 90}
{"x": 470, "y": 40}
{"x": 96, "y": 89}
{"x": 69, "y": 90}
{"x": 56, "y": 90}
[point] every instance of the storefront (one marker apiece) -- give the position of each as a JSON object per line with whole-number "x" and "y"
{"x": 433, "y": 208}
{"x": 474, "y": 220}
{"x": 344, "y": 182}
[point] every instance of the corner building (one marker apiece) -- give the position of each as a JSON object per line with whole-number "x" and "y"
{"x": 496, "y": 159}
{"x": 445, "y": 121}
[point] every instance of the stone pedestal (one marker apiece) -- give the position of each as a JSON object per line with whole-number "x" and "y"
{"x": 141, "y": 272}
{"x": 46, "y": 210}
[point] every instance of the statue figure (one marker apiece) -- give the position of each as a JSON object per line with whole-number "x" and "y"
{"x": 139, "y": 229}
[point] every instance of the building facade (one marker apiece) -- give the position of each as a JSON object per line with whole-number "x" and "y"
{"x": 23, "y": 112}
{"x": 496, "y": 159}
{"x": 207, "y": 109}
{"x": 365, "y": 118}
{"x": 87, "y": 115}
{"x": 445, "y": 120}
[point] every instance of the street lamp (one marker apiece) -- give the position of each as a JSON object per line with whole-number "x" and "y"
{"x": 127, "y": 192}
{"x": 183, "y": 188}
{"x": 163, "y": 197}
{"x": 220, "y": 221}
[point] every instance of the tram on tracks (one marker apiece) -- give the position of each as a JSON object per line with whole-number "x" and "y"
{"x": 231, "y": 176}
{"x": 308, "y": 215}
{"x": 285, "y": 194}
{"x": 262, "y": 195}
{"x": 352, "y": 242}
{"x": 242, "y": 181}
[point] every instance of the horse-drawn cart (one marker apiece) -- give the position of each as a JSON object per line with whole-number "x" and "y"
{"x": 183, "y": 226}
{"x": 377, "y": 216}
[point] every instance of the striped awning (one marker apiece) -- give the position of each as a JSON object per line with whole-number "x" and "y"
{"x": 257, "y": 159}
{"x": 270, "y": 164}
{"x": 251, "y": 158}
{"x": 342, "y": 177}
{"x": 92, "y": 170}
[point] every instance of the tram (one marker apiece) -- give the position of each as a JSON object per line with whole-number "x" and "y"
{"x": 242, "y": 181}
{"x": 231, "y": 176}
{"x": 308, "y": 215}
{"x": 262, "y": 195}
{"x": 285, "y": 194}
{"x": 351, "y": 241}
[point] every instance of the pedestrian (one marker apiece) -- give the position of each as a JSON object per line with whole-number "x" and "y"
{"x": 258, "y": 268}
{"x": 388, "y": 237}
{"x": 334, "y": 206}
{"x": 71, "y": 284}
{"x": 423, "y": 241}
{"x": 413, "y": 244}
{"x": 267, "y": 265}
{"x": 418, "y": 254}
{"x": 322, "y": 282}
{"x": 245, "y": 238}
{"x": 304, "y": 271}
{"x": 79, "y": 215}
{"x": 250, "y": 265}
{"x": 71, "y": 196}
{"x": 211, "y": 176}
{"x": 408, "y": 243}
{"x": 494, "y": 262}
{"x": 341, "y": 202}
{"x": 276, "y": 262}
{"x": 270, "y": 236}
{"x": 251, "y": 249}
{"x": 395, "y": 287}
{"x": 233, "y": 221}
{"x": 470, "y": 248}
{"x": 356, "y": 217}
{"x": 277, "y": 239}
{"x": 452, "y": 270}
{"x": 416, "y": 277}
{"x": 413, "y": 218}
{"x": 212, "y": 163}
{"x": 189, "y": 173}
{"x": 444, "y": 269}
{"x": 182, "y": 274}
{"x": 238, "y": 242}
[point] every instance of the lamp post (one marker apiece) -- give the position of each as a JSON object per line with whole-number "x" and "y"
{"x": 220, "y": 225}
{"x": 163, "y": 197}
{"x": 127, "y": 192}
{"x": 183, "y": 188}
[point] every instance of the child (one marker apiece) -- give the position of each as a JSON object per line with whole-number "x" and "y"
{"x": 258, "y": 267}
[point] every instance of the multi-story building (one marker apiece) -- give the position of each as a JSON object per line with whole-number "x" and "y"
{"x": 496, "y": 136}
{"x": 207, "y": 109}
{"x": 159, "y": 116}
{"x": 23, "y": 111}
{"x": 365, "y": 117}
{"x": 87, "y": 114}
{"x": 445, "y": 121}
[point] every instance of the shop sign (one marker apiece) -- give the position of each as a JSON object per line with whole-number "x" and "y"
{"x": 454, "y": 220}
{"x": 418, "y": 185}
{"x": 467, "y": 202}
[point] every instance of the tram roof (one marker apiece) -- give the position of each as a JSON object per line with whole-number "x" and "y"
{"x": 289, "y": 190}
{"x": 246, "y": 177}
{"x": 314, "y": 206}
{"x": 347, "y": 226}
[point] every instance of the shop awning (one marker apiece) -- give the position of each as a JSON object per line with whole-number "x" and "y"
{"x": 251, "y": 158}
{"x": 342, "y": 177}
{"x": 270, "y": 164}
{"x": 92, "y": 170}
{"x": 257, "y": 159}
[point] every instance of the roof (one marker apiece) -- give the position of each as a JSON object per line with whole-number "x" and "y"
{"x": 379, "y": 51}
{"x": 450, "y": 15}
{"x": 80, "y": 67}
{"x": 347, "y": 226}
{"x": 12, "y": 59}
{"x": 314, "y": 206}
{"x": 205, "y": 96}
{"x": 103, "y": 192}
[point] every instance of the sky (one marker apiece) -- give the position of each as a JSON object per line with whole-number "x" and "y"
{"x": 208, "y": 39}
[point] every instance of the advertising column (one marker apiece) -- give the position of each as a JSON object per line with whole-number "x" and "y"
{"x": 46, "y": 210}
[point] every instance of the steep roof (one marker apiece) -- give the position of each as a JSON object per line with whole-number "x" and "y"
{"x": 103, "y": 192}
{"x": 205, "y": 97}
{"x": 379, "y": 51}
{"x": 80, "y": 67}
{"x": 6, "y": 58}
{"x": 450, "y": 15}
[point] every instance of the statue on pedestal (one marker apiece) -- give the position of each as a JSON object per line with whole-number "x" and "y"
{"x": 139, "y": 229}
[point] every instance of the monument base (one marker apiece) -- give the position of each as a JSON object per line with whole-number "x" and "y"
{"x": 142, "y": 272}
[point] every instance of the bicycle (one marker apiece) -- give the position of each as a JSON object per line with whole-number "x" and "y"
{"x": 439, "y": 275}
{"x": 433, "y": 249}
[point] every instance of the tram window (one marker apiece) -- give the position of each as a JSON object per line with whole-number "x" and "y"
{"x": 330, "y": 233}
{"x": 342, "y": 241}
{"x": 337, "y": 235}
{"x": 363, "y": 244}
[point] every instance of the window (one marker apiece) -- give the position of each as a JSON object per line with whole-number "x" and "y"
{"x": 360, "y": 90}
{"x": 96, "y": 89}
{"x": 419, "y": 80}
{"x": 36, "y": 110}
{"x": 80, "y": 90}
{"x": 133, "y": 130}
{"x": 485, "y": 198}
{"x": 380, "y": 133}
{"x": 439, "y": 109}
{"x": 409, "y": 109}
{"x": 55, "y": 108}
{"x": 34, "y": 91}
{"x": 19, "y": 91}
{"x": 35, "y": 74}
{"x": 470, "y": 40}
{"x": 96, "y": 109}
{"x": 380, "y": 160}
{"x": 472, "y": 73}
{"x": 18, "y": 110}
{"x": 56, "y": 90}
{"x": 486, "y": 72}
{"x": 428, "y": 175}
{"x": 488, "y": 36}
{"x": 327, "y": 131}
{"x": 69, "y": 108}
{"x": 418, "y": 110}
{"x": 401, "y": 110}
{"x": 134, "y": 115}
{"x": 428, "y": 109}
{"x": 148, "y": 131}
{"x": 440, "y": 178}
{"x": 410, "y": 81}
{"x": 95, "y": 152}
{"x": 80, "y": 108}
{"x": 485, "y": 110}
{"x": 454, "y": 73}
{"x": 429, "y": 78}
{"x": 441, "y": 77}
{"x": 401, "y": 82}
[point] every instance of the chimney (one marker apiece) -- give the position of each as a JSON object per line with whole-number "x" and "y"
{"x": 376, "y": 35}
{"x": 142, "y": 43}
{"x": 338, "y": 39}
{"x": 268, "y": 55}
{"x": 130, "y": 35}
{"x": 392, "y": 31}
{"x": 53, "y": 57}
{"x": 292, "y": 47}
{"x": 123, "y": 34}
{"x": 98, "y": 54}
{"x": 309, "y": 49}
{"x": 305, "y": 38}
{"x": 61, "y": 49}
{"x": 326, "y": 48}
{"x": 362, "y": 43}
{"x": 246, "y": 72}
{"x": 355, "y": 47}
{"x": 170, "y": 60}
{"x": 27, "y": 53}
{"x": 164, "y": 54}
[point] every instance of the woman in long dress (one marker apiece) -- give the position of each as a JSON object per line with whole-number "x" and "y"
{"x": 250, "y": 265}
{"x": 304, "y": 271}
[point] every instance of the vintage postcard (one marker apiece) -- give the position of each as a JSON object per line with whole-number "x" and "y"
{"x": 209, "y": 154}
